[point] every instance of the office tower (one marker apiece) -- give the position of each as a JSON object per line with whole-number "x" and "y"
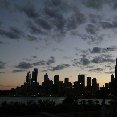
{"x": 34, "y": 75}
{"x": 106, "y": 85}
{"x": 88, "y": 82}
{"x": 81, "y": 80}
{"x": 46, "y": 77}
{"x": 94, "y": 82}
{"x": 112, "y": 84}
{"x": 94, "y": 85}
{"x": 116, "y": 69}
{"x": 115, "y": 81}
{"x": 28, "y": 78}
{"x": 56, "y": 79}
{"x": 112, "y": 78}
{"x": 66, "y": 80}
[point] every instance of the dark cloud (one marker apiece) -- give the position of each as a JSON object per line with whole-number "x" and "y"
{"x": 109, "y": 25}
{"x": 91, "y": 29}
{"x": 106, "y": 25}
{"x": 84, "y": 61}
{"x": 50, "y": 12}
{"x": 114, "y": 4}
{"x": 96, "y": 50}
{"x": 4, "y": 4}
{"x": 75, "y": 20}
{"x": 59, "y": 22}
{"x": 33, "y": 28}
{"x": 31, "y": 38}
{"x": 42, "y": 62}
{"x": 94, "y": 18}
{"x": 75, "y": 62}
{"x": 48, "y": 62}
{"x": 111, "y": 48}
{"x": 13, "y": 33}
{"x": 2, "y": 65}
{"x": 96, "y": 70}
{"x": 1, "y": 42}
{"x": 2, "y": 72}
{"x": 16, "y": 71}
{"x": 51, "y": 60}
{"x": 24, "y": 65}
{"x": 43, "y": 23}
{"x": 96, "y": 4}
{"x": 59, "y": 67}
{"x": 91, "y": 38}
{"x": 103, "y": 59}
{"x": 54, "y": 2}
{"x": 30, "y": 11}
{"x": 34, "y": 56}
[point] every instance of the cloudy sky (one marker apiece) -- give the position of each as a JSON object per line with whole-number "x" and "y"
{"x": 65, "y": 37}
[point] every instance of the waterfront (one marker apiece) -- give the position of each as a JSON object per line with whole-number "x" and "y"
{"x": 57, "y": 100}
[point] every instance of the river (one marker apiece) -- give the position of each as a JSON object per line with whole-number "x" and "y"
{"x": 57, "y": 100}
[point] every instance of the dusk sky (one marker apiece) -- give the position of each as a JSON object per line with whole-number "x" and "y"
{"x": 65, "y": 37}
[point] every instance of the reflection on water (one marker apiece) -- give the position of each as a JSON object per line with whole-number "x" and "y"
{"x": 57, "y": 100}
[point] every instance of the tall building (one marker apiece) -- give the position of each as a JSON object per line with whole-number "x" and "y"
{"x": 66, "y": 80}
{"x": 88, "y": 82}
{"x": 81, "y": 80}
{"x": 56, "y": 79}
{"x": 28, "y": 78}
{"x": 94, "y": 85}
{"x": 81, "y": 84}
{"x": 34, "y": 76}
{"x": 116, "y": 69}
{"x": 46, "y": 77}
{"x": 115, "y": 81}
{"x": 112, "y": 78}
{"x": 94, "y": 82}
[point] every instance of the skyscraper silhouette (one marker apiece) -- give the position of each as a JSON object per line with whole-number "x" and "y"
{"x": 34, "y": 76}
{"x": 116, "y": 69}
{"x": 46, "y": 77}
{"x": 56, "y": 79}
{"x": 81, "y": 81}
{"x": 88, "y": 84}
{"x": 94, "y": 85}
{"x": 66, "y": 80}
{"x": 28, "y": 78}
{"x": 115, "y": 80}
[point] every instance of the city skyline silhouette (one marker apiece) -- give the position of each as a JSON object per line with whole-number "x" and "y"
{"x": 83, "y": 87}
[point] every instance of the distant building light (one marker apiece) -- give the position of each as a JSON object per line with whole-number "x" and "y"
{"x": 80, "y": 83}
{"x": 33, "y": 81}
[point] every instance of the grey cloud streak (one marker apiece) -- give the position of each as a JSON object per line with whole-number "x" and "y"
{"x": 2, "y": 65}
{"x": 59, "y": 67}
{"x": 103, "y": 59}
{"x": 24, "y": 65}
{"x": 96, "y": 70}
{"x": 13, "y": 33}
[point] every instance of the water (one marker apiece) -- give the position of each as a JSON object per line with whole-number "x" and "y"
{"x": 24, "y": 100}
{"x": 57, "y": 100}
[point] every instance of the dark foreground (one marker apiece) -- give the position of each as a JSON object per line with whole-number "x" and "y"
{"x": 69, "y": 108}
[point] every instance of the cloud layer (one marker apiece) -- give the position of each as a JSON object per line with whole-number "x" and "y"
{"x": 2, "y": 65}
